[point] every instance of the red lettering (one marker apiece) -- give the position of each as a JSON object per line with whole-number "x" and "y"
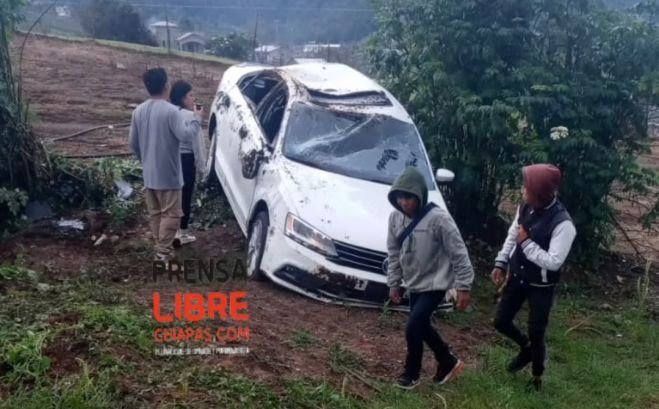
{"x": 217, "y": 303}
{"x": 194, "y": 307}
{"x": 156, "y": 310}
{"x": 237, "y": 305}
{"x": 157, "y": 335}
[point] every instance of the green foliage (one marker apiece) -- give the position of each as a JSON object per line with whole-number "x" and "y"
{"x": 488, "y": 86}
{"x": 115, "y": 20}
{"x": 20, "y": 152}
{"x": 12, "y": 203}
{"x": 236, "y": 46}
{"x": 21, "y": 353}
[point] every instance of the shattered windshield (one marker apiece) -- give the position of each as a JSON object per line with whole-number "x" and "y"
{"x": 373, "y": 147}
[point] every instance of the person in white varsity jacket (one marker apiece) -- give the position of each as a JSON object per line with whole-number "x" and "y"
{"x": 538, "y": 243}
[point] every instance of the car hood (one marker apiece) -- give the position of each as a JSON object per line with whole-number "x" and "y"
{"x": 346, "y": 209}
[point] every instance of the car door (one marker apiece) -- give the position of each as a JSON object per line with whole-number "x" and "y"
{"x": 239, "y": 149}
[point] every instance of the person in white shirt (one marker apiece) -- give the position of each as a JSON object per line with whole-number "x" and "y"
{"x": 538, "y": 243}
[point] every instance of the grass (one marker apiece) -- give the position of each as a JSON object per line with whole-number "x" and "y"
{"x": 597, "y": 359}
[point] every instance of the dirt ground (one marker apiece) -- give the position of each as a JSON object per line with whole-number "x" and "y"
{"x": 76, "y": 86}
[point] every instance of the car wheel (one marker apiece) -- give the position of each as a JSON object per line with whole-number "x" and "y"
{"x": 258, "y": 231}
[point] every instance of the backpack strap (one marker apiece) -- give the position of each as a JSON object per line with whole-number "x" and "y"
{"x": 406, "y": 232}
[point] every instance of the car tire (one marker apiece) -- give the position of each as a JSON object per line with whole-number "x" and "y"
{"x": 258, "y": 232}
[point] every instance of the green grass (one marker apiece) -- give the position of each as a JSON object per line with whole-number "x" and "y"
{"x": 597, "y": 359}
{"x": 144, "y": 49}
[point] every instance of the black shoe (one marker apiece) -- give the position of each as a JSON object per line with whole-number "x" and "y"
{"x": 448, "y": 372}
{"x": 520, "y": 361}
{"x": 407, "y": 382}
{"x": 535, "y": 384}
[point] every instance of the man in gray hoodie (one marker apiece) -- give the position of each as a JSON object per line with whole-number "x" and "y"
{"x": 427, "y": 254}
{"x": 156, "y": 133}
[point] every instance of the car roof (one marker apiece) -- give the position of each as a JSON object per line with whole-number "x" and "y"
{"x": 331, "y": 78}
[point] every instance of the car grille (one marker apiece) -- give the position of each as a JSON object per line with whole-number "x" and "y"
{"x": 359, "y": 258}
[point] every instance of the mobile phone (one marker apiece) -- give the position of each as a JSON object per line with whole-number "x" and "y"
{"x": 198, "y": 107}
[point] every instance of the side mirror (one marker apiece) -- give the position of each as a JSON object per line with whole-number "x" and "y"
{"x": 444, "y": 176}
{"x": 251, "y": 163}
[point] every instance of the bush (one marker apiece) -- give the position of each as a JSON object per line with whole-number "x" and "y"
{"x": 115, "y": 20}
{"x": 494, "y": 89}
{"x": 234, "y": 46}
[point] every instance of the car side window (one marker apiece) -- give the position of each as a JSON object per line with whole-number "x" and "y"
{"x": 256, "y": 87}
{"x": 270, "y": 113}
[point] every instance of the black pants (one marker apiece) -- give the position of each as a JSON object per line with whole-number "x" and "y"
{"x": 189, "y": 178}
{"x": 419, "y": 329}
{"x": 540, "y": 301}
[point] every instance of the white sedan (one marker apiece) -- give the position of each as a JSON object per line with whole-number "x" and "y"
{"x": 306, "y": 155}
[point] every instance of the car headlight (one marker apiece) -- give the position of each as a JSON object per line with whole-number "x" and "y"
{"x": 308, "y": 236}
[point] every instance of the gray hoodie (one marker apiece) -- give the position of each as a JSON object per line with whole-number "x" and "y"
{"x": 434, "y": 256}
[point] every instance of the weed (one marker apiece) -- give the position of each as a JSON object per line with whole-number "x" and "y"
{"x": 24, "y": 357}
{"x": 342, "y": 358}
{"x": 302, "y": 339}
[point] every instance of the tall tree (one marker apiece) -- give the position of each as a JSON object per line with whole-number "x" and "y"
{"x": 497, "y": 85}
{"x": 115, "y": 20}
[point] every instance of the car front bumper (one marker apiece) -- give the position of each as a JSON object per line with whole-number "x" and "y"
{"x": 294, "y": 266}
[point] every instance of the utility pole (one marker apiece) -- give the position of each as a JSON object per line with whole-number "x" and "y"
{"x": 169, "y": 41}
{"x": 256, "y": 30}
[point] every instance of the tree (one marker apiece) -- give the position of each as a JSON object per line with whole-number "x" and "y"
{"x": 497, "y": 85}
{"x": 186, "y": 24}
{"x": 235, "y": 46}
{"x": 115, "y": 20}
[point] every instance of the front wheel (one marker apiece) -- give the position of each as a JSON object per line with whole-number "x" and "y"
{"x": 258, "y": 231}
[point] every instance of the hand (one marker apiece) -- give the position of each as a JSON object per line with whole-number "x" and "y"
{"x": 199, "y": 110}
{"x": 522, "y": 235}
{"x": 464, "y": 299}
{"x": 498, "y": 276}
{"x": 394, "y": 294}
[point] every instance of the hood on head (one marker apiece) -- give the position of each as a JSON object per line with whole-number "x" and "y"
{"x": 542, "y": 181}
{"x": 410, "y": 181}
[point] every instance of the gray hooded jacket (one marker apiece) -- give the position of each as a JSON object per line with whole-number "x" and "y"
{"x": 434, "y": 256}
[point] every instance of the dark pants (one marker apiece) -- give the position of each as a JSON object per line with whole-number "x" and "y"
{"x": 189, "y": 177}
{"x": 540, "y": 301}
{"x": 419, "y": 329}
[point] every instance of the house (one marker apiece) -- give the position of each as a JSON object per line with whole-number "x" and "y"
{"x": 192, "y": 42}
{"x": 160, "y": 30}
{"x": 307, "y": 61}
{"x": 272, "y": 55}
{"x": 63, "y": 11}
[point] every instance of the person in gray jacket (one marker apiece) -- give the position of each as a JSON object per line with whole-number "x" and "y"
{"x": 428, "y": 254}
{"x": 156, "y": 132}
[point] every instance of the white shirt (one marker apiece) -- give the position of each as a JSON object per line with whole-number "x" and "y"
{"x": 552, "y": 259}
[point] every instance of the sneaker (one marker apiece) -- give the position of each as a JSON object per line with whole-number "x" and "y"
{"x": 444, "y": 375}
{"x": 407, "y": 382}
{"x": 535, "y": 384}
{"x": 521, "y": 360}
{"x": 183, "y": 237}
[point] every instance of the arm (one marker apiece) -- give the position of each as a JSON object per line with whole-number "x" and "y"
{"x": 394, "y": 272}
{"x": 447, "y": 232}
{"x": 559, "y": 247}
{"x": 508, "y": 245}
{"x": 133, "y": 139}
{"x": 199, "y": 148}
{"x": 184, "y": 128}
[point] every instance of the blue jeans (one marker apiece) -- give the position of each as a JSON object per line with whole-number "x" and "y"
{"x": 420, "y": 330}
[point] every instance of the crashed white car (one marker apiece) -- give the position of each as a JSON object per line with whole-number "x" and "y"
{"x": 306, "y": 155}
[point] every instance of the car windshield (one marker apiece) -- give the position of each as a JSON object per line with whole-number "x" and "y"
{"x": 372, "y": 147}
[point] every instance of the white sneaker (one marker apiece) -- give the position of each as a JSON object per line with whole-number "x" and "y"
{"x": 183, "y": 237}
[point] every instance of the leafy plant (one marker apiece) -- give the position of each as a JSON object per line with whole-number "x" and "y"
{"x": 12, "y": 203}
{"x": 494, "y": 89}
